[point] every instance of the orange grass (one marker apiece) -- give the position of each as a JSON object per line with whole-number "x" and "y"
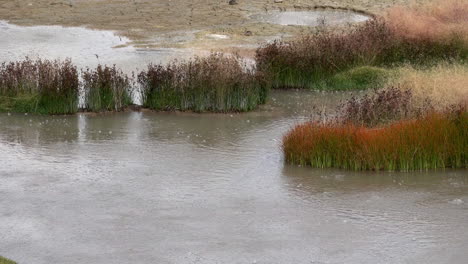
{"x": 435, "y": 141}
{"x": 436, "y": 20}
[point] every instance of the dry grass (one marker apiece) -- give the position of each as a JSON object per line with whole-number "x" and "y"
{"x": 409, "y": 93}
{"x": 442, "y": 86}
{"x": 437, "y": 20}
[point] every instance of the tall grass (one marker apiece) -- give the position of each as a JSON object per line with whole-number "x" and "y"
{"x": 410, "y": 93}
{"x": 42, "y": 86}
{"x": 380, "y": 107}
{"x": 314, "y": 60}
{"x": 435, "y": 141}
{"x": 436, "y": 20}
{"x": 441, "y": 86}
{"x": 106, "y": 89}
{"x": 215, "y": 83}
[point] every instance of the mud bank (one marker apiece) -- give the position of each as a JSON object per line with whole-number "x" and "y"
{"x": 175, "y": 23}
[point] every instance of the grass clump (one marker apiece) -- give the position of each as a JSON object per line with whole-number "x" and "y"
{"x": 42, "y": 86}
{"x": 441, "y": 86}
{"x": 435, "y": 141}
{"x": 380, "y": 107}
{"x": 410, "y": 93}
{"x": 6, "y": 261}
{"x": 215, "y": 83}
{"x": 106, "y": 89}
{"x": 384, "y": 41}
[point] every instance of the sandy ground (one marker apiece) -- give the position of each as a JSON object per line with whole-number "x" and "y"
{"x": 175, "y": 23}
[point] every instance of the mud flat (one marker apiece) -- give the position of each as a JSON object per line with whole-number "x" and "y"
{"x": 146, "y": 21}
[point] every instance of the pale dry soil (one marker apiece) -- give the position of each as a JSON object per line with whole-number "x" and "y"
{"x": 176, "y": 23}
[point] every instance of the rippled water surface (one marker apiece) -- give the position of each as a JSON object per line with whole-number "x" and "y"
{"x": 145, "y": 187}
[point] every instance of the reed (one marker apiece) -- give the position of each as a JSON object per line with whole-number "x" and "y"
{"x": 6, "y": 261}
{"x": 381, "y": 106}
{"x": 215, "y": 83}
{"x": 42, "y": 86}
{"x": 106, "y": 89}
{"x": 432, "y": 142}
{"x": 312, "y": 60}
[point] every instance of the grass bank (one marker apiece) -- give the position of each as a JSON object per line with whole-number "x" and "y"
{"x": 6, "y": 261}
{"x": 216, "y": 83}
{"x": 329, "y": 59}
{"x": 433, "y": 142}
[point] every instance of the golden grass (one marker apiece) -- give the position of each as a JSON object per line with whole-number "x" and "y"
{"x": 442, "y": 86}
{"x": 436, "y": 20}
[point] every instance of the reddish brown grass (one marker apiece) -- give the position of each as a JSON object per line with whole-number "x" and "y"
{"x": 435, "y": 141}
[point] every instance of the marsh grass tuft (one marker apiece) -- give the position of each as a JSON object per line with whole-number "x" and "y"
{"x": 42, "y": 86}
{"x": 433, "y": 142}
{"x": 106, "y": 89}
{"x": 380, "y": 107}
{"x": 216, "y": 83}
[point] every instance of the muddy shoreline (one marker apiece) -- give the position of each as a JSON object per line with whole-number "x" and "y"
{"x": 176, "y": 23}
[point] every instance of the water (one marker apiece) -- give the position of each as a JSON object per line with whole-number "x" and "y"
{"x": 86, "y": 47}
{"x": 146, "y": 187}
{"x": 312, "y": 18}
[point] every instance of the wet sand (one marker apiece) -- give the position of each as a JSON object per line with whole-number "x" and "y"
{"x": 175, "y": 23}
